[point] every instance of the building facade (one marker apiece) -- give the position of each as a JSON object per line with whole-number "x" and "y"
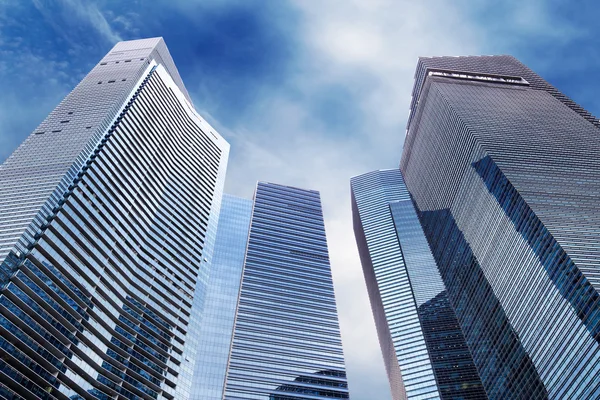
{"x": 424, "y": 350}
{"x": 220, "y": 302}
{"x": 286, "y": 342}
{"x": 503, "y": 171}
{"x": 108, "y": 215}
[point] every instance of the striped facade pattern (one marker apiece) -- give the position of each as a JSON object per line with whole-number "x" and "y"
{"x": 37, "y": 174}
{"x": 286, "y": 343}
{"x": 451, "y": 359}
{"x": 507, "y": 186}
{"x": 97, "y": 292}
{"x": 403, "y": 344}
{"x": 419, "y": 333}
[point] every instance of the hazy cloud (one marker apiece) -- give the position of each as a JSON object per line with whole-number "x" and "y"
{"x": 309, "y": 93}
{"x": 370, "y": 48}
{"x": 75, "y": 11}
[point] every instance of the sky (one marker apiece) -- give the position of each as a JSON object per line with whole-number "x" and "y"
{"x": 308, "y": 92}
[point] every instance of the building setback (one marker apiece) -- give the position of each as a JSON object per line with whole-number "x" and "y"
{"x": 286, "y": 342}
{"x": 424, "y": 350}
{"x": 108, "y": 215}
{"x": 503, "y": 170}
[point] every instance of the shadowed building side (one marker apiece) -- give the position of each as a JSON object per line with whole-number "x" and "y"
{"x": 503, "y": 171}
{"x": 425, "y": 349}
{"x": 220, "y": 302}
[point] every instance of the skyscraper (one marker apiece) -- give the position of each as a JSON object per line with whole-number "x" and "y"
{"x": 502, "y": 171}
{"x": 286, "y": 342}
{"x": 220, "y": 302}
{"x": 425, "y": 353}
{"x": 108, "y": 215}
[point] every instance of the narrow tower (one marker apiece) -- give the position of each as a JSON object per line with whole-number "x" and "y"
{"x": 220, "y": 302}
{"x": 425, "y": 352}
{"x": 286, "y": 342}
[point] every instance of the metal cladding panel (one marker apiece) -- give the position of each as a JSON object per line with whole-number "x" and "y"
{"x": 506, "y": 185}
{"x": 408, "y": 297}
{"x": 286, "y": 342}
{"x": 224, "y": 281}
{"x": 99, "y": 303}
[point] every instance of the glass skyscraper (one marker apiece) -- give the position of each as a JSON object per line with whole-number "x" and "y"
{"x": 502, "y": 172}
{"x": 126, "y": 273}
{"x": 286, "y": 343}
{"x": 108, "y": 215}
{"x": 220, "y": 302}
{"x": 425, "y": 353}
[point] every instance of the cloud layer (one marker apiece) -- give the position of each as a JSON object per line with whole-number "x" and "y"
{"x": 308, "y": 93}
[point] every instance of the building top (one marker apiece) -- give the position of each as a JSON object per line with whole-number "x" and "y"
{"x": 153, "y": 48}
{"x": 286, "y": 186}
{"x": 501, "y": 65}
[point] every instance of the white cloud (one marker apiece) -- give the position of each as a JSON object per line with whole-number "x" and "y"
{"x": 77, "y": 10}
{"x": 372, "y": 48}
{"x": 369, "y": 47}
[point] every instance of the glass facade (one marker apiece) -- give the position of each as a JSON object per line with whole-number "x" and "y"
{"x": 108, "y": 217}
{"x": 214, "y": 338}
{"x": 502, "y": 169}
{"x": 286, "y": 342}
{"x": 426, "y": 354}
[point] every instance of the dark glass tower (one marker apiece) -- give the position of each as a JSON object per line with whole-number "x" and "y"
{"x": 503, "y": 170}
{"x": 286, "y": 342}
{"x": 108, "y": 215}
{"x": 425, "y": 352}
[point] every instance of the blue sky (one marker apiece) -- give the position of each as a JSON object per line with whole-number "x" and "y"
{"x": 309, "y": 93}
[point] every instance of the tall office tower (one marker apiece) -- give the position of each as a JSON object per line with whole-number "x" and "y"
{"x": 424, "y": 350}
{"x": 107, "y": 219}
{"x": 503, "y": 170}
{"x": 286, "y": 343}
{"x": 220, "y": 302}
